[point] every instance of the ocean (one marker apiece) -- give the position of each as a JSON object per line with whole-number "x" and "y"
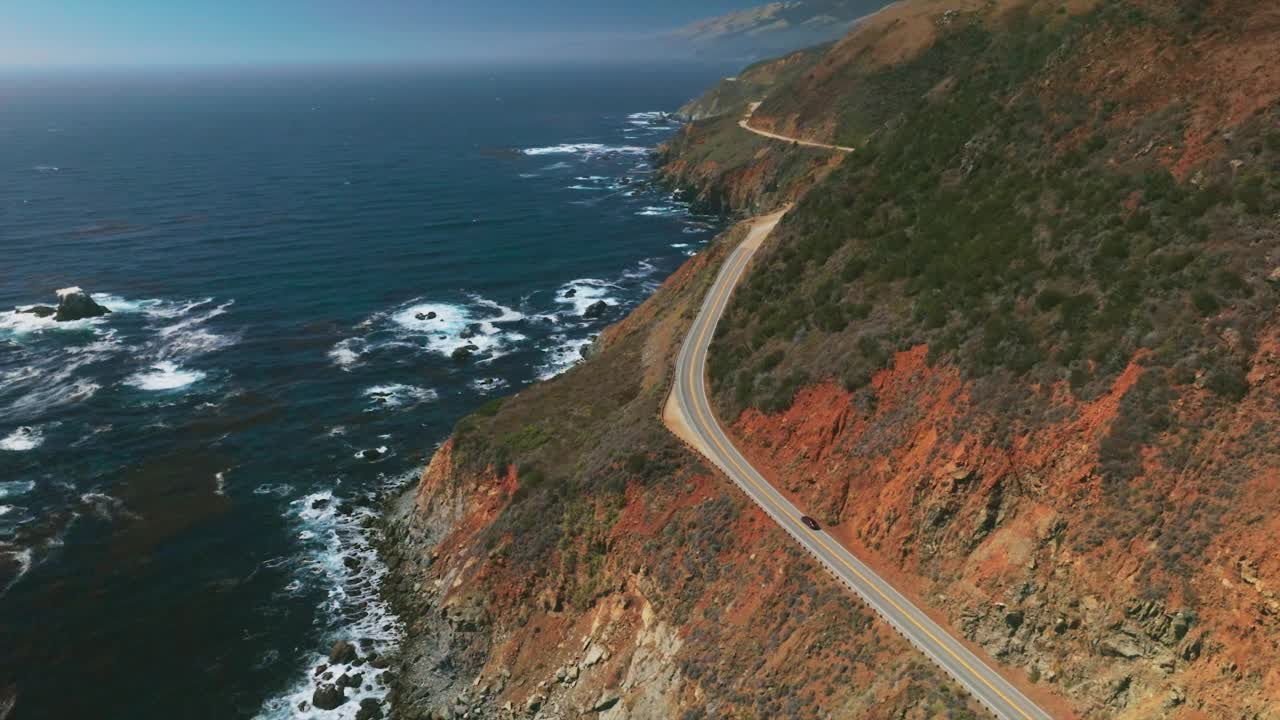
{"x": 312, "y": 275}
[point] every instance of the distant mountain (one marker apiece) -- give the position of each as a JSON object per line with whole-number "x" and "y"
{"x": 768, "y": 30}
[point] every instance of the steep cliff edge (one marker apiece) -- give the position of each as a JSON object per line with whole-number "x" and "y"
{"x": 564, "y": 556}
{"x": 1019, "y": 350}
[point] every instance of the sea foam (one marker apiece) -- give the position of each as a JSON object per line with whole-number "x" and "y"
{"x": 22, "y": 440}
{"x": 588, "y": 149}
{"x": 164, "y": 376}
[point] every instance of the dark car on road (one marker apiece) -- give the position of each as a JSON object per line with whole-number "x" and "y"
{"x": 809, "y": 522}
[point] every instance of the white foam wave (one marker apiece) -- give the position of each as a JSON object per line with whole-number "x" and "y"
{"x": 662, "y": 211}
{"x": 106, "y": 506}
{"x": 338, "y": 557}
{"x": 488, "y": 384}
{"x": 587, "y": 149}
{"x": 164, "y": 376}
{"x": 679, "y": 245}
{"x": 382, "y": 452}
{"x": 23, "y": 557}
{"x": 187, "y": 338}
{"x": 278, "y": 490}
{"x": 447, "y": 328}
{"x": 585, "y": 292}
{"x": 14, "y": 488}
{"x": 643, "y": 269}
{"x": 396, "y": 395}
{"x": 566, "y": 354}
{"x": 22, "y": 440}
{"x": 22, "y": 323}
{"x": 345, "y": 355}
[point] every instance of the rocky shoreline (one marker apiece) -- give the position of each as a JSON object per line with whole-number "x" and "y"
{"x": 425, "y": 670}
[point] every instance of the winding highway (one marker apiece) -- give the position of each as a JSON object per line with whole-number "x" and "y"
{"x": 689, "y": 415}
{"x": 745, "y": 124}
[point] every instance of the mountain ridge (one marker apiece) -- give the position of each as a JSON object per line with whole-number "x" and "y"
{"x": 767, "y": 30}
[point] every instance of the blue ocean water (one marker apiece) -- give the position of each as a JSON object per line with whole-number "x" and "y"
{"x": 293, "y": 259}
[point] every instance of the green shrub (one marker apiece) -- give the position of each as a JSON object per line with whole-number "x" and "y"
{"x": 1205, "y": 302}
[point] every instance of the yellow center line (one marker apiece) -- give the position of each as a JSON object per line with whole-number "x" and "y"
{"x": 719, "y": 297}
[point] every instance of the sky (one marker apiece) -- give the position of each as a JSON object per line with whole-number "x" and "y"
{"x": 61, "y": 33}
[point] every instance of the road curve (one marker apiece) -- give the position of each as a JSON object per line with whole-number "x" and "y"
{"x": 744, "y": 123}
{"x": 689, "y": 415}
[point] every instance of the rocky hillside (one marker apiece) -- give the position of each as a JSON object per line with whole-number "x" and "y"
{"x": 1019, "y": 351}
{"x": 564, "y": 556}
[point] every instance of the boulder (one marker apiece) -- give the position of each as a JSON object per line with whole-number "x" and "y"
{"x": 465, "y": 352}
{"x": 606, "y": 701}
{"x": 1120, "y": 646}
{"x": 75, "y": 304}
{"x": 596, "y": 309}
{"x": 370, "y": 709}
{"x": 342, "y": 653}
{"x": 328, "y": 697}
{"x": 534, "y": 702}
{"x": 573, "y": 292}
{"x": 40, "y": 311}
{"x": 595, "y": 654}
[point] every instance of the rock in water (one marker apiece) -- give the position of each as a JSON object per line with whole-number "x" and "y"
{"x": 75, "y": 304}
{"x": 328, "y": 697}
{"x": 596, "y": 309}
{"x": 573, "y": 292}
{"x": 465, "y": 352}
{"x": 342, "y": 653}
{"x": 40, "y": 311}
{"x": 370, "y": 709}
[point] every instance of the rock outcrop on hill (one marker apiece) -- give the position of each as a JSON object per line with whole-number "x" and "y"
{"x": 1019, "y": 351}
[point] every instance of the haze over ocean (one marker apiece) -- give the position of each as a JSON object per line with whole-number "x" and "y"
{"x": 293, "y": 259}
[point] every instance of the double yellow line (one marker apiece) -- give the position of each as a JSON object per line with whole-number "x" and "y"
{"x": 736, "y": 271}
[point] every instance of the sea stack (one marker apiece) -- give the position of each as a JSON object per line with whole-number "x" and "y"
{"x": 75, "y": 304}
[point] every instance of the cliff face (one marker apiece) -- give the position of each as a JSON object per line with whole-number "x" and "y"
{"x": 1130, "y": 609}
{"x": 564, "y": 556}
{"x": 1019, "y": 351}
